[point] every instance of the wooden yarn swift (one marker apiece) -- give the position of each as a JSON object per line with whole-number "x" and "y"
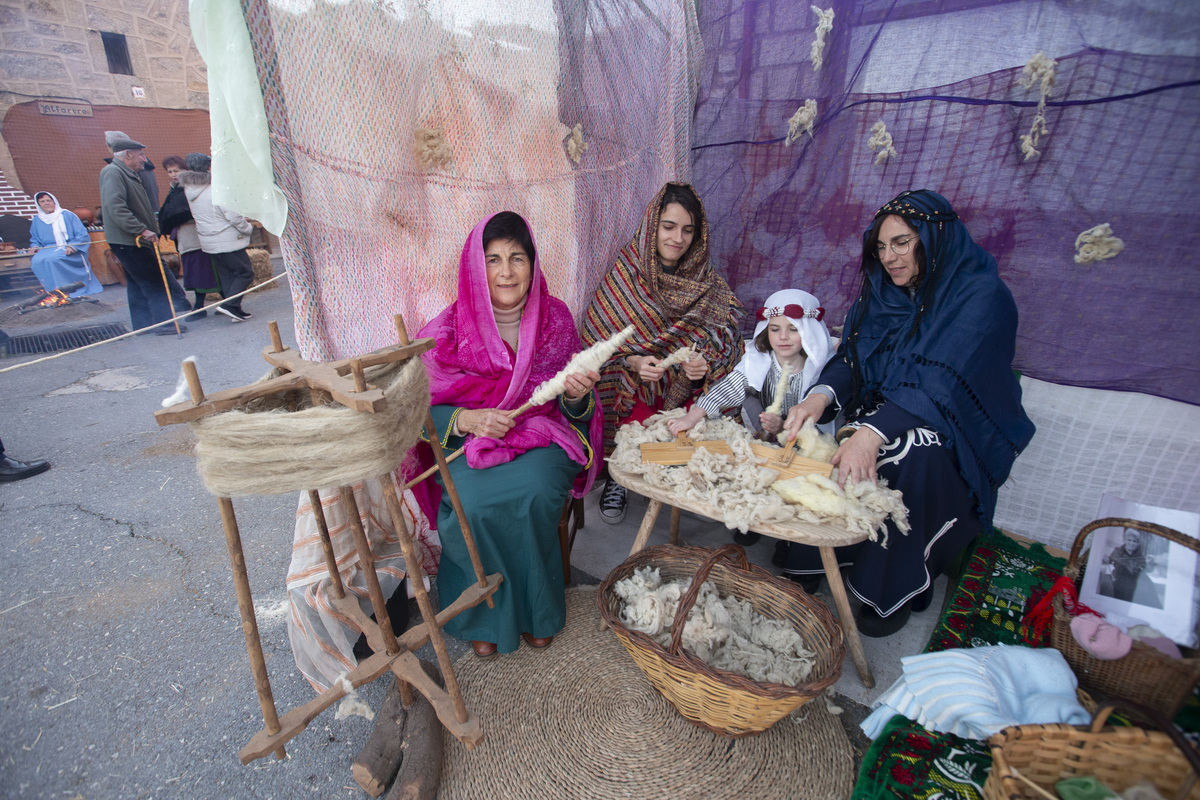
{"x": 344, "y": 382}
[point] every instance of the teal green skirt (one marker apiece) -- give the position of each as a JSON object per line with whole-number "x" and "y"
{"x": 513, "y": 510}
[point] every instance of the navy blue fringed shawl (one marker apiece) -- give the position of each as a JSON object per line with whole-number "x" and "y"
{"x": 954, "y": 371}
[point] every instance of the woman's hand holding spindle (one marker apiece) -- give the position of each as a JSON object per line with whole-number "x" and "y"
{"x": 489, "y": 422}
{"x": 696, "y": 368}
{"x": 646, "y": 367}
{"x": 579, "y": 385}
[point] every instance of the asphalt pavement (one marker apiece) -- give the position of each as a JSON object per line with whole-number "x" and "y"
{"x": 123, "y": 672}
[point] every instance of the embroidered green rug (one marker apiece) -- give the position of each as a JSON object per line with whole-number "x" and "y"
{"x": 908, "y": 761}
{"x": 1002, "y": 579}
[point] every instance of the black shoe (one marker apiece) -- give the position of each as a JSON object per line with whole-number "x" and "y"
{"x": 809, "y": 583}
{"x": 13, "y": 470}
{"x": 613, "y": 502}
{"x": 779, "y": 559}
{"x": 235, "y": 314}
{"x": 169, "y": 330}
{"x": 877, "y": 627}
{"x": 746, "y": 539}
{"x": 922, "y": 601}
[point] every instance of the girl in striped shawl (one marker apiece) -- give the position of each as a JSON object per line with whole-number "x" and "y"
{"x": 663, "y": 285}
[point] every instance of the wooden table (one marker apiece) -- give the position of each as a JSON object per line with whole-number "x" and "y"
{"x": 824, "y": 537}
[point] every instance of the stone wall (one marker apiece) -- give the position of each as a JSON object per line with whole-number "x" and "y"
{"x": 52, "y": 50}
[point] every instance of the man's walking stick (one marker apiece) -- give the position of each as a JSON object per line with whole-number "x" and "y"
{"x": 166, "y": 286}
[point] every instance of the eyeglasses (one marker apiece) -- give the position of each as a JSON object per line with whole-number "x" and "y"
{"x": 899, "y": 246}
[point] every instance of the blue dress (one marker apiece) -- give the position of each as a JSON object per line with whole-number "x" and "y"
{"x": 53, "y": 267}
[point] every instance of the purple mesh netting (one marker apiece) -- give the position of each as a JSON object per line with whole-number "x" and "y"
{"x": 1121, "y": 149}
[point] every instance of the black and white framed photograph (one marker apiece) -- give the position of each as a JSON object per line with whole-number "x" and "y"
{"x": 1133, "y": 576}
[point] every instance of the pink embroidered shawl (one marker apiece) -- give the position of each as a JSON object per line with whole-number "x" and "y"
{"x": 472, "y": 367}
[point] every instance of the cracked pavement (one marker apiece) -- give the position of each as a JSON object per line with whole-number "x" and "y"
{"x": 123, "y": 671}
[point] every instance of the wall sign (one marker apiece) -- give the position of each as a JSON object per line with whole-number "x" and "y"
{"x": 64, "y": 109}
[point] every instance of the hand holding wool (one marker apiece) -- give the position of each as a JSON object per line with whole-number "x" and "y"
{"x": 856, "y": 458}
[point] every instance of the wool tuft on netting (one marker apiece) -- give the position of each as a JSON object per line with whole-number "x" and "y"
{"x": 951, "y": 80}
{"x": 396, "y": 125}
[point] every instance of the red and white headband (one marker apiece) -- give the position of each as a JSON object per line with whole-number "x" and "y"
{"x": 791, "y": 311}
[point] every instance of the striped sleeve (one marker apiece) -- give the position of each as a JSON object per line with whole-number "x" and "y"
{"x": 729, "y": 392}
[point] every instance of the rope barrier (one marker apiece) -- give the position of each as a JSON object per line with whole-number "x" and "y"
{"x": 284, "y": 274}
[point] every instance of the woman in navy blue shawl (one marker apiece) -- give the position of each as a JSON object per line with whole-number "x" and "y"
{"x": 924, "y": 378}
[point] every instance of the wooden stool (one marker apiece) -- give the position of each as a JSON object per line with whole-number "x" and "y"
{"x": 568, "y": 524}
{"x": 824, "y": 537}
{"x": 344, "y": 382}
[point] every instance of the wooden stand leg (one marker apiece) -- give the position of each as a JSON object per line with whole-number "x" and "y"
{"x": 417, "y": 575}
{"x": 643, "y": 534}
{"x": 258, "y": 664}
{"x": 673, "y": 535}
{"x": 335, "y": 577}
{"x": 443, "y": 467}
{"x": 838, "y": 588}
{"x": 366, "y": 560}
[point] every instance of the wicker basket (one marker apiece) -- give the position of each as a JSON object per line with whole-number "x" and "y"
{"x": 725, "y": 702}
{"x": 1144, "y": 675}
{"x": 1117, "y": 757}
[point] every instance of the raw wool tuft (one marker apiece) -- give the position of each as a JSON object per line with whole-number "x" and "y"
{"x": 1040, "y": 71}
{"x": 576, "y": 146}
{"x": 785, "y": 372}
{"x": 801, "y": 122}
{"x": 864, "y": 507}
{"x": 1097, "y": 244}
{"x": 824, "y": 27}
{"x": 589, "y": 360}
{"x": 181, "y": 388}
{"x": 724, "y": 632}
{"x": 737, "y": 487}
{"x": 881, "y": 140}
{"x": 265, "y": 448}
{"x": 678, "y": 357}
{"x": 352, "y": 705}
{"x": 811, "y": 443}
{"x": 431, "y": 149}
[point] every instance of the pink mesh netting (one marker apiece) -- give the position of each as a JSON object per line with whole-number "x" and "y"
{"x": 373, "y": 230}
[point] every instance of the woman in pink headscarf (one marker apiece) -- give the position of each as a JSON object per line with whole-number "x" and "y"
{"x": 496, "y": 343}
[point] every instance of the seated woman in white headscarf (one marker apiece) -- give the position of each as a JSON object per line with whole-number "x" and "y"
{"x": 62, "y": 243}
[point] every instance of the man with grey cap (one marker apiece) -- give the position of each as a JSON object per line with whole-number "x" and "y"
{"x": 128, "y": 218}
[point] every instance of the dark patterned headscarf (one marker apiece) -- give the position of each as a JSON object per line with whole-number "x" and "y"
{"x": 945, "y": 353}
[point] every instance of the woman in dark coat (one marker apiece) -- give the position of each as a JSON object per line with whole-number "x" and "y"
{"x": 924, "y": 377}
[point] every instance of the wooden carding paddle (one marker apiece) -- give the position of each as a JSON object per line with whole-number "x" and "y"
{"x": 787, "y": 463}
{"x": 680, "y": 451}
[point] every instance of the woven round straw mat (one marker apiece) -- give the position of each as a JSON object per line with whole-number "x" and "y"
{"x": 579, "y": 720}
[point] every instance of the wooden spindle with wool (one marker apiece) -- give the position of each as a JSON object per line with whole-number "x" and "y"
{"x": 785, "y": 372}
{"x": 589, "y": 360}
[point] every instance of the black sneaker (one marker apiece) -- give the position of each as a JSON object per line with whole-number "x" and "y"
{"x": 613, "y": 502}
{"x": 237, "y": 315}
